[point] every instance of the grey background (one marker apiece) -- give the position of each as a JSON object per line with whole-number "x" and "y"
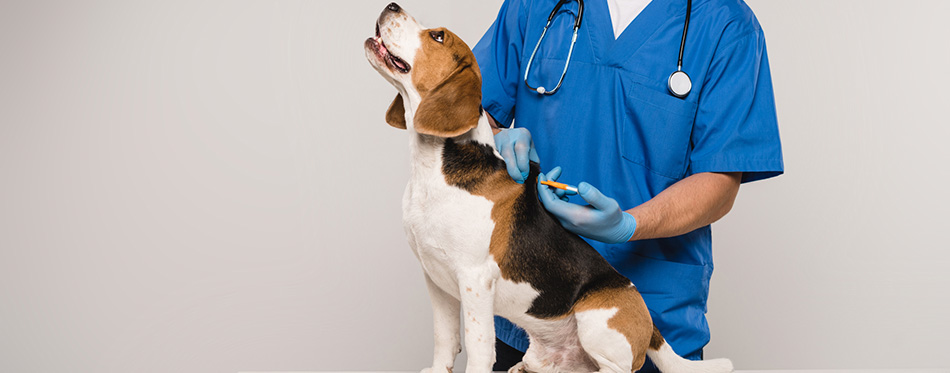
{"x": 209, "y": 186}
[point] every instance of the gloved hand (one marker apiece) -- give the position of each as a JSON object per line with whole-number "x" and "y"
{"x": 602, "y": 220}
{"x": 516, "y": 147}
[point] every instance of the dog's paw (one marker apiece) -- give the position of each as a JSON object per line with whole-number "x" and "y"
{"x": 437, "y": 370}
{"x": 518, "y": 368}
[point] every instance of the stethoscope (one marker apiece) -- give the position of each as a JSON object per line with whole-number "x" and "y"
{"x": 679, "y": 83}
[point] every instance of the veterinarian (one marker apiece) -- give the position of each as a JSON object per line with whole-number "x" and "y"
{"x": 654, "y": 167}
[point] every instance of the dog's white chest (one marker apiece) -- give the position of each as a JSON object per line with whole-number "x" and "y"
{"x": 447, "y": 227}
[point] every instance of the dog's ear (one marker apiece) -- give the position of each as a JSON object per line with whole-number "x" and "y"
{"x": 451, "y": 108}
{"x": 396, "y": 115}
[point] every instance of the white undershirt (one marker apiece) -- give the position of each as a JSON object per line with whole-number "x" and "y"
{"x": 622, "y": 12}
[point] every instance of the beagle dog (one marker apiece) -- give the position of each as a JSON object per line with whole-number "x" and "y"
{"x": 486, "y": 244}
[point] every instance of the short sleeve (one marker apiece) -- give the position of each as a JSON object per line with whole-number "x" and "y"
{"x": 736, "y": 127}
{"x": 499, "y": 59}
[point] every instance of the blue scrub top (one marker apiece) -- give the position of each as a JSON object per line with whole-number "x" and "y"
{"x": 614, "y": 124}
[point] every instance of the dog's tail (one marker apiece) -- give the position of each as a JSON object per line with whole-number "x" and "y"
{"x": 669, "y": 362}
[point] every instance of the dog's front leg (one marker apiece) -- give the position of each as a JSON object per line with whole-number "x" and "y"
{"x": 477, "y": 287}
{"x": 445, "y": 317}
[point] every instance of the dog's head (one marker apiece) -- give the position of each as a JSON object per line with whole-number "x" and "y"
{"x": 434, "y": 67}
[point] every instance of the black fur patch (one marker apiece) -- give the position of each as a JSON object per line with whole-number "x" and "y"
{"x": 469, "y": 163}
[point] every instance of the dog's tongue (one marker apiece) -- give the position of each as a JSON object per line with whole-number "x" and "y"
{"x": 385, "y": 53}
{"x": 400, "y": 63}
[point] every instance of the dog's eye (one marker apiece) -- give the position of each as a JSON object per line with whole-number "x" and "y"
{"x": 437, "y": 35}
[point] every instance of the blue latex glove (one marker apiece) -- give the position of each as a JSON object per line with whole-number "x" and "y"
{"x": 602, "y": 220}
{"x": 516, "y": 147}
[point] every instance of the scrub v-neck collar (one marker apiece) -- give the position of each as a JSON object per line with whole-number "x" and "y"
{"x": 614, "y": 51}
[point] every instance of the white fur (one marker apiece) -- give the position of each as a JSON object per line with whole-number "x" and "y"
{"x": 606, "y": 346}
{"x": 513, "y": 299}
{"x": 555, "y": 347}
{"x": 669, "y": 362}
{"x": 400, "y": 33}
{"x": 449, "y": 230}
{"x": 445, "y": 319}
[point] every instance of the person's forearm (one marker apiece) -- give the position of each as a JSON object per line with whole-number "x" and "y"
{"x": 691, "y": 203}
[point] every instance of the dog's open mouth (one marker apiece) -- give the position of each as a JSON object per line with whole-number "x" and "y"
{"x": 383, "y": 53}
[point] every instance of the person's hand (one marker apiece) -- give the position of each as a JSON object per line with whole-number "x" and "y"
{"x": 602, "y": 220}
{"x": 516, "y": 147}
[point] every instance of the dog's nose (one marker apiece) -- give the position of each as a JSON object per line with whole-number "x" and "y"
{"x": 393, "y": 7}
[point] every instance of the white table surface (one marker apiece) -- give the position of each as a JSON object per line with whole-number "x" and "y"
{"x": 947, "y": 370}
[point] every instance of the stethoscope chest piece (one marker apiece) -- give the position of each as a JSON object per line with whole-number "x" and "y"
{"x": 680, "y": 84}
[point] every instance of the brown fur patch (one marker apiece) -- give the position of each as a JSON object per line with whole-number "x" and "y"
{"x": 447, "y": 78}
{"x": 504, "y": 192}
{"x": 632, "y": 319}
{"x": 498, "y": 187}
{"x": 396, "y": 114}
{"x": 435, "y": 62}
{"x": 657, "y": 340}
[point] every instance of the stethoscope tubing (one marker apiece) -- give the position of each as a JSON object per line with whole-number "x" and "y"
{"x": 680, "y": 90}
{"x": 689, "y": 9}
{"x": 577, "y": 25}
{"x": 679, "y": 83}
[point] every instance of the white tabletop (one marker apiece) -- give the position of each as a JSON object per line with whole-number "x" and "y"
{"x": 946, "y": 370}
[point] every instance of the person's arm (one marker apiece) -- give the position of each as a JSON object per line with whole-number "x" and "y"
{"x": 689, "y": 204}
